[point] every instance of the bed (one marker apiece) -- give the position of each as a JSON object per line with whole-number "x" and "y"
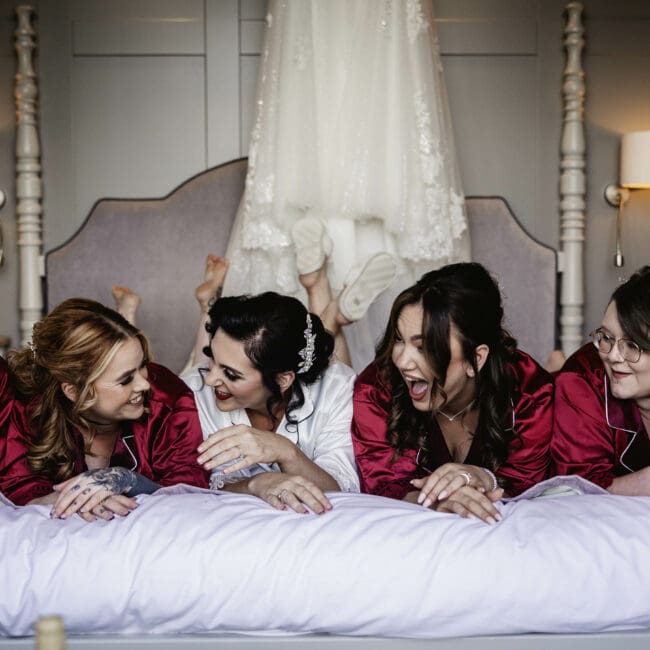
{"x": 578, "y": 578}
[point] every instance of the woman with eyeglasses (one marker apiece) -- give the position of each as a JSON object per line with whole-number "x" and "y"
{"x": 451, "y": 415}
{"x": 602, "y": 399}
{"x": 87, "y": 422}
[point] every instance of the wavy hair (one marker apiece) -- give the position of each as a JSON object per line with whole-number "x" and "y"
{"x": 466, "y": 295}
{"x": 73, "y": 344}
{"x": 272, "y": 329}
{"x": 633, "y": 307}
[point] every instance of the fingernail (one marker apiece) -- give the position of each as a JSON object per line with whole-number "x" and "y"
{"x": 200, "y": 459}
{"x": 442, "y": 495}
{"x": 421, "y": 497}
{"x": 498, "y": 516}
{"x": 427, "y": 503}
{"x": 491, "y": 520}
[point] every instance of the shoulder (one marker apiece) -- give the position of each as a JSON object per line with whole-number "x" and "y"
{"x": 336, "y": 378}
{"x": 582, "y": 374}
{"x": 194, "y": 379}
{"x": 370, "y": 386}
{"x": 529, "y": 376}
{"x": 586, "y": 363}
{"x": 166, "y": 387}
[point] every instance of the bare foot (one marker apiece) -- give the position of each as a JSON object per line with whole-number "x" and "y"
{"x": 215, "y": 273}
{"x": 555, "y": 361}
{"x": 126, "y": 302}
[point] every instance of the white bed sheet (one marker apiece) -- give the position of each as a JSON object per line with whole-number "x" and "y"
{"x": 194, "y": 561}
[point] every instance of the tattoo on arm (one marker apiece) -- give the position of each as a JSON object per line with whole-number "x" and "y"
{"x": 120, "y": 480}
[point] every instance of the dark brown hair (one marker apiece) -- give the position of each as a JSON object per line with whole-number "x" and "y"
{"x": 466, "y": 295}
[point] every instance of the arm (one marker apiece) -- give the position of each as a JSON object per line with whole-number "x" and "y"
{"x": 168, "y": 438}
{"x": 329, "y": 428}
{"x": 249, "y": 446}
{"x": 381, "y": 472}
{"x": 636, "y": 484}
{"x": 88, "y": 491}
{"x": 18, "y": 481}
{"x": 582, "y": 442}
{"x": 529, "y": 461}
{"x": 284, "y": 491}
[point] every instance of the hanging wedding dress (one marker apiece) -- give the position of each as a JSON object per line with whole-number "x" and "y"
{"x": 352, "y": 125}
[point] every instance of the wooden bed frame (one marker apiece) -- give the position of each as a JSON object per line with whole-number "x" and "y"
{"x": 209, "y": 202}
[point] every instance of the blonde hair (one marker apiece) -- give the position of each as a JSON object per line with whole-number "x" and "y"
{"x": 73, "y": 344}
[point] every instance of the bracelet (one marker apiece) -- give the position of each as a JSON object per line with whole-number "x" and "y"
{"x": 493, "y": 478}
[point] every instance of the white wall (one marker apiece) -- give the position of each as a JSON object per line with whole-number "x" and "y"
{"x": 137, "y": 95}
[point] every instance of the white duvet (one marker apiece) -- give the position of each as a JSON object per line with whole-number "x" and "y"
{"x": 189, "y": 561}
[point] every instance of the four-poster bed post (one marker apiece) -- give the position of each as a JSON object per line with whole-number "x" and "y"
{"x": 572, "y": 186}
{"x": 28, "y": 177}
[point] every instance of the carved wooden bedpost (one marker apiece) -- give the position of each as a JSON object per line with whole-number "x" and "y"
{"x": 28, "y": 177}
{"x": 572, "y": 186}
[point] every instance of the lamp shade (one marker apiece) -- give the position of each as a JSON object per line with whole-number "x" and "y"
{"x": 635, "y": 160}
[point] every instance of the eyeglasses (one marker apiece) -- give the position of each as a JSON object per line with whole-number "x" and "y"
{"x": 604, "y": 343}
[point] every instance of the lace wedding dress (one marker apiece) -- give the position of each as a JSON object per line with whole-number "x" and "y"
{"x": 352, "y": 125}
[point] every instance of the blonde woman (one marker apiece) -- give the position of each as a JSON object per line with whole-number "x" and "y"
{"x": 87, "y": 422}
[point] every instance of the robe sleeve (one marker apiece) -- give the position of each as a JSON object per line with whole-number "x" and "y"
{"x": 529, "y": 460}
{"x": 381, "y": 472}
{"x": 172, "y": 433}
{"x": 582, "y": 443}
{"x": 18, "y": 481}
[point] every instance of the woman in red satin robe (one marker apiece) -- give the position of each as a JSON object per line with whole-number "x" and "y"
{"x": 87, "y": 423}
{"x": 450, "y": 414}
{"x": 602, "y": 404}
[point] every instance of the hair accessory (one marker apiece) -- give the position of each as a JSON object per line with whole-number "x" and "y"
{"x": 307, "y": 353}
{"x": 31, "y": 346}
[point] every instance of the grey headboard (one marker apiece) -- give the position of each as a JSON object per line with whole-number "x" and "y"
{"x": 526, "y": 271}
{"x": 157, "y": 248}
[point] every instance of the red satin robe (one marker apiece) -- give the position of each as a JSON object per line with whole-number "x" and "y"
{"x": 528, "y": 460}
{"x": 161, "y": 445}
{"x": 595, "y": 434}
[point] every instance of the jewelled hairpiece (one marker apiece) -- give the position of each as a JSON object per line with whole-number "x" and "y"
{"x": 307, "y": 353}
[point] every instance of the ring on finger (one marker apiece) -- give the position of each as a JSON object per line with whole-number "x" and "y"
{"x": 241, "y": 455}
{"x": 467, "y": 476}
{"x": 282, "y": 494}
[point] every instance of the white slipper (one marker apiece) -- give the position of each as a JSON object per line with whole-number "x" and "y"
{"x": 311, "y": 243}
{"x": 365, "y": 284}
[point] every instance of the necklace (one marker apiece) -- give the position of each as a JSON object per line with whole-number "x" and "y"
{"x": 465, "y": 408}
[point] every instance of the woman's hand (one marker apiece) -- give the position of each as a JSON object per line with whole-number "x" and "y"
{"x": 243, "y": 446}
{"x": 117, "y": 504}
{"x": 282, "y": 490}
{"x": 468, "y": 501}
{"x": 449, "y": 478}
{"x": 95, "y": 494}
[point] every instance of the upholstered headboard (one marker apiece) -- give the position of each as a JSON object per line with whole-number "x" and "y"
{"x": 157, "y": 248}
{"x": 526, "y": 271}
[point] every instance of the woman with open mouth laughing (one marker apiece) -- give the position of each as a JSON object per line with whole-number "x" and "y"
{"x": 275, "y": 413}
{"x": 450, "y": 414}
{"x": 602, "y": 406}
{"x": 87, "y": 422}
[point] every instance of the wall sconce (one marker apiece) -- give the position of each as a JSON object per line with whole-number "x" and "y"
{"x": 634, "y": 175}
